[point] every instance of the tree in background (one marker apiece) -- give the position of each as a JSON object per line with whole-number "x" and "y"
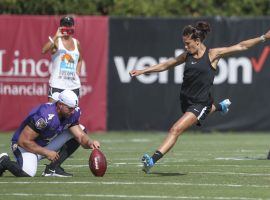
{"x": 145, "y": 8}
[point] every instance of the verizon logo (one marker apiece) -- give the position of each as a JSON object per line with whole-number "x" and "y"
{"x": 231, "y": 70}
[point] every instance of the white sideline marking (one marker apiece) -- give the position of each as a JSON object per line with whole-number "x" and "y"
{"x": 234, "y": 159}
{"x": 135, "y": 183}
{"x": 164, "y": 164}
{"x": 125, "y": 141}
{"x": 74, "y": 166}
{"x": 173, "y": 160}
{"x": 229, "y": 173}
{"x": 220, "y": 173}
{"x": 131, "y": 196}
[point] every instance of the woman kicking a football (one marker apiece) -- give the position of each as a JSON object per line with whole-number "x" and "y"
{"x": 200, "y": 68}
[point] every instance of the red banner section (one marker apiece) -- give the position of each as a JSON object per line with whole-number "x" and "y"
{"x": 24, "y": 71}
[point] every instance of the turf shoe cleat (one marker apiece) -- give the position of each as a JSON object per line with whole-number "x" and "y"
{"x": 57, "y": 172}
{"x": 147, "y": 163}
{"x": 225, "y": 106}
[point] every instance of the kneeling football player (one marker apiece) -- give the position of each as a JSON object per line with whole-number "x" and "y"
{"x": 67, "y": 145}
{"x": 43, "y": 132}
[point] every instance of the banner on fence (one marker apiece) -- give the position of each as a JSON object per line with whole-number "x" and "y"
{"x": 24, "y": 71}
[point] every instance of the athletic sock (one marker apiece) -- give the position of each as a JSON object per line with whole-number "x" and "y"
{"x": 15, "y": 169}
{"x": 67, "y": 149}
{"x": 156, "y": 156}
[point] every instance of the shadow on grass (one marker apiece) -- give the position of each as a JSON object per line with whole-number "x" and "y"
{"x": 244, "y": 158}
{"x": 167, "y": 174}
{"x": 256, "y": 158}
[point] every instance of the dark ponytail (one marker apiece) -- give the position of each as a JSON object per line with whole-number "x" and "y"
{"x": 199, "y": 31}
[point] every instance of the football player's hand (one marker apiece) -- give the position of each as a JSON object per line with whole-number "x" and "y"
{"x": 94, "y": 144}
{"x": 52, "y": 155}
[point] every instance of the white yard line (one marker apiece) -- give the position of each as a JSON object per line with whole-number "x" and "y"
{"x": 134, "y": 183}
{"x": 234, "y": 158}
{"x": 129, "y": 196}
{"x": 231, "y": 173}
{"x": 135, "y": 140}
{"x": 165, "y": 165}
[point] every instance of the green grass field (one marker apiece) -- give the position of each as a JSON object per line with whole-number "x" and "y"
{"x": 201, "y": 166}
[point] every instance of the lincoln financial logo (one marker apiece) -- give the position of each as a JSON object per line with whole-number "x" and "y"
{"x": 231, "y": 70}
{"x": 26, "y": 76}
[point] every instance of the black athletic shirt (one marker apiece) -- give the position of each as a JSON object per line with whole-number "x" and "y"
{"x": 198, "y": 79}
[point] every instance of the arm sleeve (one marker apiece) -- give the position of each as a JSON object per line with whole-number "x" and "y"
{"x": 37, "y": 121}
{"x": 31, "y": 124}
{"x": 74, "y": 124}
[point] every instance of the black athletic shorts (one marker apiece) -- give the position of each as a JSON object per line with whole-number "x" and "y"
{"x": 200, "y": 110}
{"x": 53, "y": 90}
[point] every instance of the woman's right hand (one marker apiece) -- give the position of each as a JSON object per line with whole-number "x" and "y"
{"x": 135, "y": 72}
{"x": 267, "y": 35}
{"x": 58, "y": 33}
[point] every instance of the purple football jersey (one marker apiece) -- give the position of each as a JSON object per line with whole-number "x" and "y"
{"x": 46, "y": 123}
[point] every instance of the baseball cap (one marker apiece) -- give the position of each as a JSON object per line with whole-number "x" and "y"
{"x": 55, "y": 96}
{"x": 67, "y": 21}
{"x": 68, "y": 98}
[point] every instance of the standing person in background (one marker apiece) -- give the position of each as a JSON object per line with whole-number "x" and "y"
{"x": 200, "y": 67}
{"x": 66, "y": 67}
{"x": 66, "y": 58}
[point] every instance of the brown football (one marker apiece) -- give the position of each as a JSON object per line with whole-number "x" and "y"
{"x": 97, "y": 163}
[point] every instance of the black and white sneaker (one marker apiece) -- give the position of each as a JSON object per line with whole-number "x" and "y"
{"x": 58, "y": 172}
{"x": 4, "y": 158}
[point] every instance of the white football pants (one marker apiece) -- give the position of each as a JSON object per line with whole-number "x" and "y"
{"x": 30, "y": 160}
